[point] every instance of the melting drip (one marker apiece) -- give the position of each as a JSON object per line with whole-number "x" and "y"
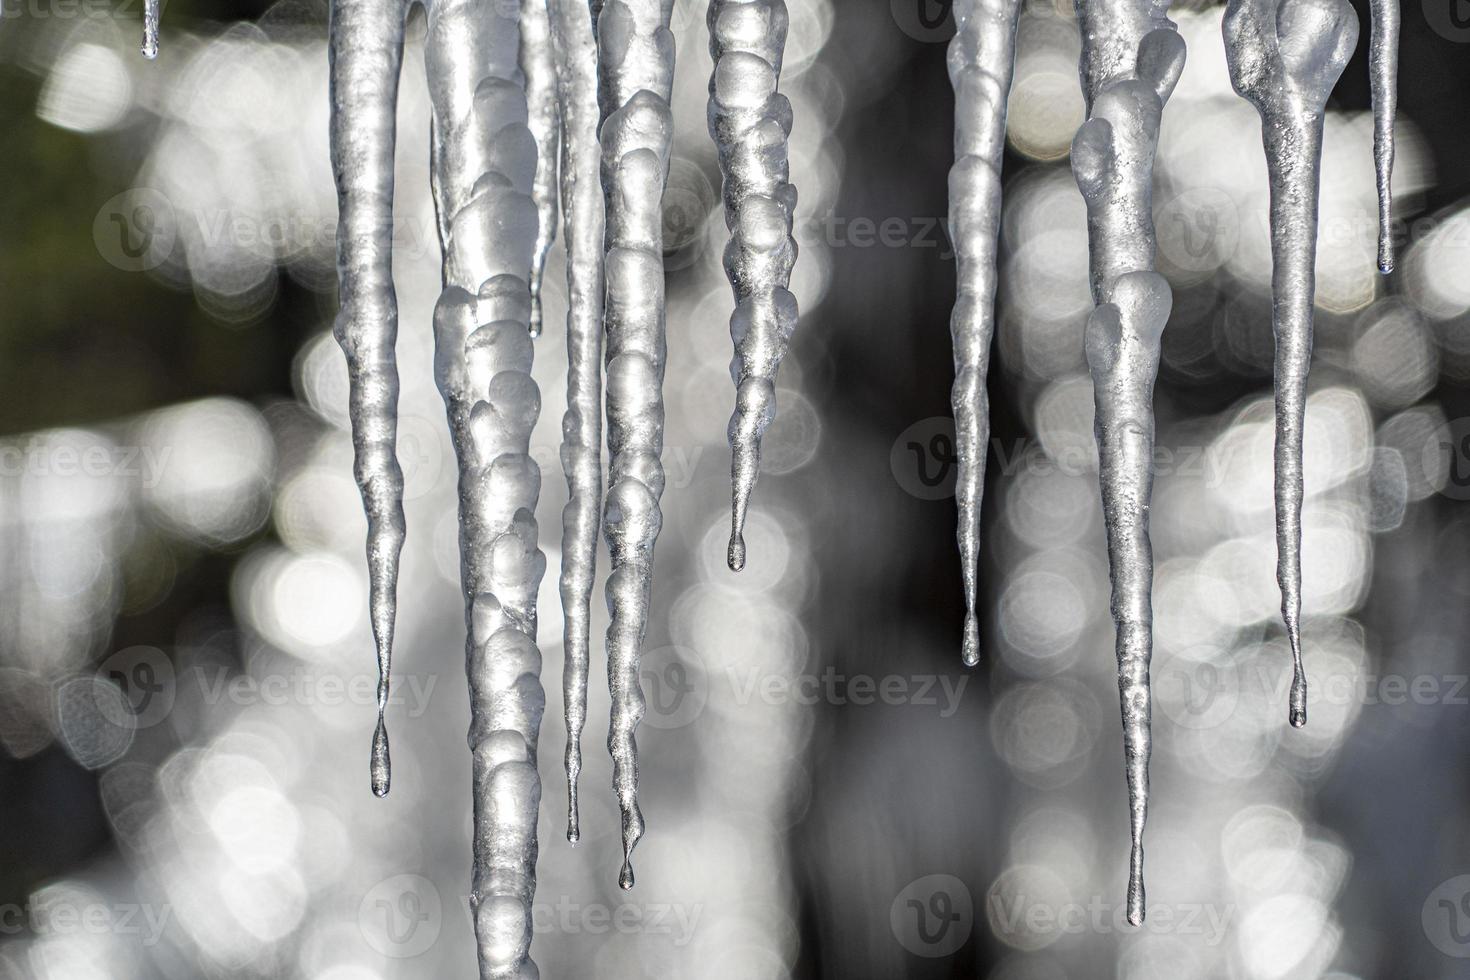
{"x": 982, "y": 60}
{"x": 366, "y": 53}
{"x": 581, "y": 452}
{"x": 150, "y": 28}
{"x": 484, "y": 170}
{"x": 1383, "y": 67}
{"x": 636, "y": 61}
{"x": 751, "y": 124}
{"x": 1284, "y": 58}
{"x": 1131, "y": 60}
{"x": 539, "y": 67}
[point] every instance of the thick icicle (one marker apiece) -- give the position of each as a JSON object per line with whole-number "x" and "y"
{"x": 982, "y": 60}
{"x": 1284, "y": 58}
{"x": 484, "y": 166}
{"x": 150, "y": 28}
{"x": 636, "y": 61}
{"x": 751, "y": 123}
{"x": 539, "y": 67}
{"x": 365, "y": 51}
{"x": 581, "y": 448}
{"x": 1131, "y": 60}
{"x": 1383, "y": 66}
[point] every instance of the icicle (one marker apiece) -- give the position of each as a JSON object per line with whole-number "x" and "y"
{"x": 581, "y": 450}
{"x": 751, "y": 123}
{"x": 636, "y": 59}
{"x": 366, "y": 51}
{"x": 539, "y": 67}
{"x": 484, "y": 165}
{"x": 981, "y": 62}
{"x": 1131, "y": 60}
{"x": 1284, "y": 58}
{"x": 150, "y": 28}
{"x": 1383, "y": 66}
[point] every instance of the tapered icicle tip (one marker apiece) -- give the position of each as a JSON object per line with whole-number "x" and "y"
{"x": 150, "y": 29}
{"x": 1136, "y": 912}
{"x": 535, "y": 327}
{"x": 625, "y": 876}
{"x": 971, "y": 650}
{"x": 1298, "y": 703}
{"x": 736, "y": 555}
{"x": 382, "y": 766}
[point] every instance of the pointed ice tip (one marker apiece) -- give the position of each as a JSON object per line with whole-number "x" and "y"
{"x": 574, "y": 836}
{"x": 381, "y": 766}
{"x": 1136, "y": 911}
{"x": 535, "y": 325}
{"x": 1298, "y": 710}
{"x": 625, "y": 877}
{"x": 971, "y": 651}
{"x": 736, "y": 557}
{"x": 1385, "y": 267}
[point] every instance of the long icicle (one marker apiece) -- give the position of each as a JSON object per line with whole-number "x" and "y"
{"x": 365, "y": 52}
{"x": 1131, "y": 61}
{"x": 751, "y": 124}
{"x": 636, "y": 61}
{"x": 539, "y": 67}
{"x": 982, "y": 59}
{"x": 581, "y": 448}
{"x": 1383, "y": 67}
{"x": 484, "y": 164}
{"x": 1284, "y": 58}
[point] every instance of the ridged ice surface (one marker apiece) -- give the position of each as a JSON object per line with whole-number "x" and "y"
{"x": 366, "y": 52}
{"x": 581, "y": 426}
{"x": 1284, "y": 58}
{"x": 484, "y": 163}
{"x": 982, "y": 60}
{"x": 1131, "y": 58}
{"x": 150, "y": 28}
{"x": 751, "y": 123}
{"x": 636, "y": 66}
{"x": 539, "y": 67}
{"x": 1383, "y": 66}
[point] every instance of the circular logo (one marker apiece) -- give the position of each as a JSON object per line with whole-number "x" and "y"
{"x": 1197, "y": 694}
{"x": 1446, "y": 459}
{"x": 675, "y": 687}
{"x": 931, "y": 21}
{"x": 1198, "y": 230}
{"x": 1446, "y": 917}
{"x": 924, "y": 459}
{"x": 687, "y": 202}
{"x": 1450, "y": 19}
{"x": 135, "y": 230}
{"x": 421, "y": 453}
{"x": 933, "y": 916}
{"x": 145, "y": 676}
{"x": 400, "y": 917}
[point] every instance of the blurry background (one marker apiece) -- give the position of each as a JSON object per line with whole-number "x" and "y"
{"x": 186, "y": 674}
